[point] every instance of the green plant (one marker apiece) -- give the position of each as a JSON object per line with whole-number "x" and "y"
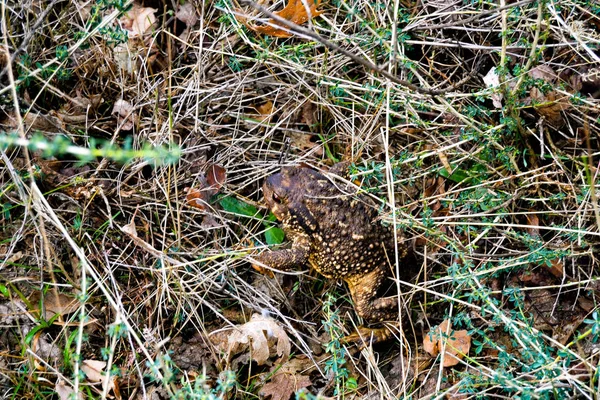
{"x": 335, "y": 365}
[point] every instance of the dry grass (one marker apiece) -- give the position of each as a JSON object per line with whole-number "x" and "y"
{"x": 504, "y": 243}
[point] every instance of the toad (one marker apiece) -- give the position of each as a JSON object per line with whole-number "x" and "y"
{"x": 337, "y": 232}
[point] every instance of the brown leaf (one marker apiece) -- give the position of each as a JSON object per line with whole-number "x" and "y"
{"x": 263, "y": 336}
{"x": 534, "y": 221}
{"x": 550, "y": 105}
{"x": 187, "y": 14}
{"x": 306, "y": 141}
{"x": 458, "y": 343}
{"x": 544, "y": 72}
{"x": 289, "y": 378}
{"x": 66, "y": 391}
{"x": 215, "y": 177}
{"x": 208, "y": 186}
{"x": 54, "y": 303}
{"x": 282, "y": 386}
{"x": 266, "y": 110}
{"x": 125, "y": 116}
{"x": 93, "y": 370}
{"x": 294, "y": 11}
{"x": 310, "y": 114}
{"x": 138, "y": 20}
{"x": 197, "y": 198}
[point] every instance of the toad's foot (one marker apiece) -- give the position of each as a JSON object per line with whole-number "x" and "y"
{"x": 365, "y": 336}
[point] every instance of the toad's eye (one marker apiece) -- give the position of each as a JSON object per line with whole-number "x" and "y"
{"x": 276, "y": 198}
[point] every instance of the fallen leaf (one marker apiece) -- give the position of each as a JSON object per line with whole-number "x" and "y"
{"x": 130, "y": 228}
{"x": 93, "y": 370}
{"x": 288, "y": 378}
{"x": 53, "y": 303}
{"x": 209, "y": 184}
{"x": 458, "y": 343}
{"x": 544, "y": 72}
{"x": 534, "y": 221}
{"x": 306, "y": 141}
{"x": 265, "y": 111}
{"x": 492, "y": 80}
{"x": 262, "y": 336}
{"x": 66, "y": 392}
{"x": 294, "y": 11}
{"x": 196, "y": 198}
{"x": 310, "y": 114}
{"x": 186, "y": 13}
{"x": 125, "y": 116}
{"x": 216, "y": 176}
{"x": 550, "y": 105}
{"x": 138, "y": 20}
{"x": 282, "y": 386}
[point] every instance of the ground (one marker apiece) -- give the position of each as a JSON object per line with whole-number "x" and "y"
{"x": 136, "y": 137}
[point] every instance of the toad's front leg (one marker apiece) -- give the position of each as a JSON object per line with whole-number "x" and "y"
{"x": 286, "y": 259}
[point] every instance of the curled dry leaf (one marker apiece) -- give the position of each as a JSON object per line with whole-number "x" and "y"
{"x": 492, "y": 80}
{"x": 66, "y": 391}
{"x": 216, "y": 176}
{"x": 550, "y": 104}
{"x": 294, "y": 11}
{"x": 54, "y": 303}
{"x": 262, "y": 336}
{"x": 93, "y": 370}
{"x": 458, "y": 343}
{"x": 125, "y": 116}
{"x": 186, "y": 13}
{"x": 208, "y": 186}
{"x": 138, "y": 20}
{"x": 288, "y": 379}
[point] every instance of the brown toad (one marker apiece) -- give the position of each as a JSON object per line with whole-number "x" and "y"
{"x": 337, "y": 232}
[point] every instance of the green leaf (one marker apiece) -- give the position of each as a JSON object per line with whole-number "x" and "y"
{"x": 4, "y": 291}
{"x": 274, "y": 235}
{"x": 458, "y": 175}
{"x": 235, "y": 206}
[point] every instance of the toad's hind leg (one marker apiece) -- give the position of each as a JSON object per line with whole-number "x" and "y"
{"x": 363, "y": 290}
{"x": 364, "y": 294}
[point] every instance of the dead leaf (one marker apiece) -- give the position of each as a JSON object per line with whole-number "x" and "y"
{"x": 66, "y": 392}
{"x": 265, "y": 111}
{"x": 550, "y": 105}
{"x": 209, "y": 184}
{"x": 289, "y": 378}
{"x": 294, "y": 11}
{"x": 458, "y": 343}
{"x": 492, "y": 80}
{"x": 262, "y": 336}
{"x": 216, "y": 176}
{"x": 534, "y": 221}
{"x": 125, "y": 116}
{"x": 54, "y": 303}
{"x": 138, "y": 20}
{"x": 196, "y": 198}
{"x": 130, "y": 228}
{"x": 310, "y": 114}
{"x": 306, "y": 141}
{"x": 554, "y": 312}
{"x": 282, "y": 386}
{"x": 93, "y": 370}
{"x": 186, "y": 13}
{"x": 543, "y": 72}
